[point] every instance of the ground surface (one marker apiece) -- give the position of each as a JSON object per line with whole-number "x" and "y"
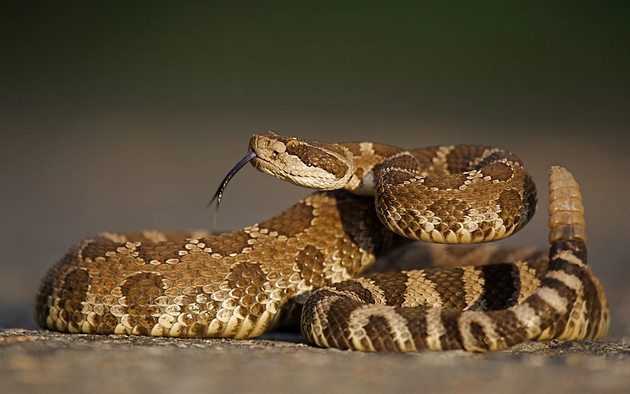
{"x": 41, "y": 361}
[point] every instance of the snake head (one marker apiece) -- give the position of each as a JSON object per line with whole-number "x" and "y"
{"x": 312, "y": 164}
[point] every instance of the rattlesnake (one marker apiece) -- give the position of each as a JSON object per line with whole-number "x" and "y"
{"x": 245, "y": 283}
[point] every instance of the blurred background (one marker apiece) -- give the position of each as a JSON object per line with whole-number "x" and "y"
{"x": 120, "y": 117}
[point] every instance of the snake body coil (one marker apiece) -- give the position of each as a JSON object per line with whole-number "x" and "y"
{"x": 244, "y": 283}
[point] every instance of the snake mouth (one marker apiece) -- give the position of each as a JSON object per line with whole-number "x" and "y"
{"x": 268, "y": 166}
{"x": 298, "y": 173}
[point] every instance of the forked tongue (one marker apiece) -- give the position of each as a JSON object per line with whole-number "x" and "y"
{"x": 219, "y": 194}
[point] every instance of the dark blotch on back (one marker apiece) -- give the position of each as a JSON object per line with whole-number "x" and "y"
{"x": 416, "y": 323}
{"x": 510, "y": 202}
{"x": 446, "y": 181}
{"x": 498, "y": 171}
{"x": 495, "y": 157}
{"x": 355, "y": 287}
{"x": 160, "y": 251}
{"x": 379, "y": 332}
{"x": 393, "y": 285}
{"x": 452, "y": 338}
{"x": 358, "y": 215}
{"x": 399, "y": 170}
{"x": 460, "y": 158}
{"x": 529, "y": 194}
{"x": 142, "y": 289}
{"x": 479, "y": 334}
{"x": 393, "y": 178}
{"x": 385, "y": 150}
{"x": 451, "y": 286}
{"x": 290, "y": 222}
{"x": 99, "y": 247}
{"x": 501, "y": 288}
{"x": 230, "y": 242}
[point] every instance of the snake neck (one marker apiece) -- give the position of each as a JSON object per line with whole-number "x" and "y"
{"x": 368, "y": 160}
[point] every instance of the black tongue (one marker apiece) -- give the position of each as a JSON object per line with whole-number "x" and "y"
{"x": 219, "y": 194}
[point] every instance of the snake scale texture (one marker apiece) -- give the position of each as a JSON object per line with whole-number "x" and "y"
{"x": 308, "y": 259}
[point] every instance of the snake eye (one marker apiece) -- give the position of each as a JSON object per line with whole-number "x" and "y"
{"x": 292, "y": 145}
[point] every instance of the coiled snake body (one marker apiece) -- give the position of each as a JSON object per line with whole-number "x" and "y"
{"x": 244, "y": 283}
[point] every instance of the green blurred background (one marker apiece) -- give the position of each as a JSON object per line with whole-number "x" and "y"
{"x": 121, "y": 117}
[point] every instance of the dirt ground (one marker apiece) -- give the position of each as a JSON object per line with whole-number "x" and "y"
{"x": 41, "y": 361}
